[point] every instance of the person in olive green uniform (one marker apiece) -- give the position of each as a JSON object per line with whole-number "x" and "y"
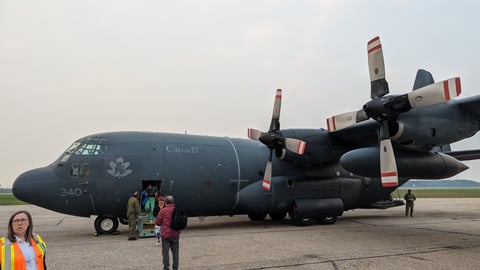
{"x": 133, "y": 210}
{"x": 409, "y": 198}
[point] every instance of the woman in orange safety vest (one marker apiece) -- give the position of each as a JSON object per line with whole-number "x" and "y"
{"x": 22, "y": 249}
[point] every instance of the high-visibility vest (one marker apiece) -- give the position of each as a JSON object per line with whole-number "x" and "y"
{"x": 12, "y": 258}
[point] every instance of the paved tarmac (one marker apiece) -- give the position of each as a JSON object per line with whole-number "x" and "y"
{"x": 443, "y": 234}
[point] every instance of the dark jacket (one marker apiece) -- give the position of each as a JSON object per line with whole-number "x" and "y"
{"x": 164, "y": 219}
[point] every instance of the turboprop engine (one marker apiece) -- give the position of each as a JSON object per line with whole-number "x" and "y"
{"x": 410, "y": 164}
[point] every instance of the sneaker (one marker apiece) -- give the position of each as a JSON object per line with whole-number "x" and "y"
{"x": 132, "y": 238}
{"x": 158, "y": 242}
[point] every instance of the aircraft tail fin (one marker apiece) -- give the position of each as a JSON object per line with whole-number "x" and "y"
{"x": 423, "y": 78}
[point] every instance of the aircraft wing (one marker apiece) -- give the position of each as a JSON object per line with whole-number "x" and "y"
{"x": 470, "y": 104}
{"x": 363, "y": 133}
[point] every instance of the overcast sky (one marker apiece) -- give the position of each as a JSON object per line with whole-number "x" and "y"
{"x": 72, "y": 68}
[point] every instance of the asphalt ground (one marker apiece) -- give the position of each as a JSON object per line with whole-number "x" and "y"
{"x": 443, "y": 234}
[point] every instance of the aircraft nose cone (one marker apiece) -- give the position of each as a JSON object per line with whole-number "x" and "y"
{"x": 35, "y": 185}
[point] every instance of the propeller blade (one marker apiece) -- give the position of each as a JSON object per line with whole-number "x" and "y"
{"x": 274, "y": 140}
{"x": 376, "y": 66}
{"x": 254, "y": 134}
{"x": 340, "y": 121}
{"x": 267, "y": 178}
{"x": 344, "y": 120}
{"x": 388, "y": 166}
{"x": 296, "y": 146}
{"x": 275, "y": 123}
{"x": 435, "y": 93}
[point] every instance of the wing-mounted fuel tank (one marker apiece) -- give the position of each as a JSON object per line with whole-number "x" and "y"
{"x": 410, "y": 164}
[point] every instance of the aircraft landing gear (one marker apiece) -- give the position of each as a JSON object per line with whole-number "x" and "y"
{"x": 277, "y": 215}
{"x": 310, "y": 221}
{"x": 327, "y": 220}
{"x": 105, "y": 225}
{"x": 257, "y": 216}
{"x": 303, "y": 221}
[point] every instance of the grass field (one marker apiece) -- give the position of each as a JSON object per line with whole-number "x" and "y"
{"x": 440, "y": 192}
{"x": 9, "y": 199}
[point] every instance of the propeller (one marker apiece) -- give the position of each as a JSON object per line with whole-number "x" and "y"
{"x": 384, "y": 108}
{"x": 275, "y": 141}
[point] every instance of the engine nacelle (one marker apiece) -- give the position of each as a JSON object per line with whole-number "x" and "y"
{"x": 433, "y": 127}
{"x": 410, "y": 164}
{"x": 254, "y": 199}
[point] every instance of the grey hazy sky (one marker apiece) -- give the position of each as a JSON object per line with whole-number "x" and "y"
{"x": 72, "y": 68}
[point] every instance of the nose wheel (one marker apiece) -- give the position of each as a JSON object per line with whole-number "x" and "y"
{"x": 105, "y": 225}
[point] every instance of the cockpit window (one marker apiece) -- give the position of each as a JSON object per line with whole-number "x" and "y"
{"x": 90, "y": 146}
{"x": 80, "y": 170}
{"x": 90, "y": 149}
{"x": 70, "y": 150}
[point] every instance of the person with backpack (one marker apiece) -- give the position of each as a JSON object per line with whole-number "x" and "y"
{"x": 170, "y": 237}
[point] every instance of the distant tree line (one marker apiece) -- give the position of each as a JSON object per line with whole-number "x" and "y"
{"x": 440, "y": 183}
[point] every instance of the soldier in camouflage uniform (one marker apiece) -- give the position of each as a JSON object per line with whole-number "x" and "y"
{"x": 133, "y": 210}
{"x": 409, "y": 198}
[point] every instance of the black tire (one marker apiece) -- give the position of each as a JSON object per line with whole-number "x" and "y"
{"x": 278, "y": 215}
{"x": 106, "y": 225}
{"x": 327, "y": 220}
{"x": 257, "y": 216}
{"x": 303, "y": 221}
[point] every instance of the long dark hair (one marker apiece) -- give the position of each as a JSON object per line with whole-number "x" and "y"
{"x": 28, "y": 233}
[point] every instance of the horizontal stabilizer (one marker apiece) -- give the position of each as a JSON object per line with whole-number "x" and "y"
{"x": 465, "y": 155}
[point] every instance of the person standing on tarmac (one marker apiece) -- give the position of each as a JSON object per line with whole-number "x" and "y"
{"x": 409, "y": 198}
{"x": 22, "y": 248}
{"x": 133, "y": 210}
{"x": 170, "y": 237}
{"x": 159, "y": 206}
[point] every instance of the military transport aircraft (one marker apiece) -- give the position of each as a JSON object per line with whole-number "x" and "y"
{"x": 314, "y": 175}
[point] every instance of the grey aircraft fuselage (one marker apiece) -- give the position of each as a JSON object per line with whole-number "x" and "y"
{"x": 205, "y": 174}
{"x": 222, "y": 176}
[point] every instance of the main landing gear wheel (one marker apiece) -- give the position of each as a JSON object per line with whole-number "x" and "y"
{"x": 327, "y": 220}
{"x": 106, "y": 225}
{"x": 257, "y": 216}
{"x": 303, "y": 221}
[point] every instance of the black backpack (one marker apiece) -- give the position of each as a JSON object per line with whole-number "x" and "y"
{"x": 179, "y": 219}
